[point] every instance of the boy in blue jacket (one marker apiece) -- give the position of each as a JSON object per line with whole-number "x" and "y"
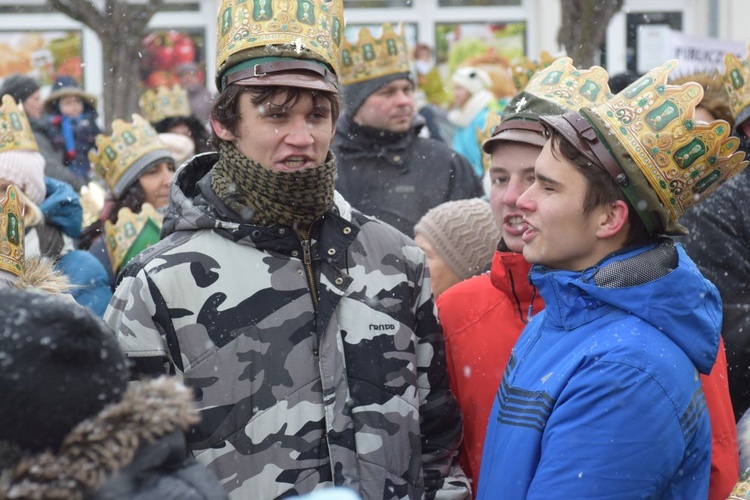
{"x": 602, "y": 396}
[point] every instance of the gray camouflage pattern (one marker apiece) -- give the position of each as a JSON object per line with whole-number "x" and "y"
{"x": 292, "y": 397}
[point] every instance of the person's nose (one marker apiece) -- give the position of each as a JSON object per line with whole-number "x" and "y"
{"x": 525, "y": 201}
{"x": 515, "y": 189}
{"x": 298, "y": 133}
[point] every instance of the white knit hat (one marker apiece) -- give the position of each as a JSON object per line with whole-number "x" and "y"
{"x": 24, "y": 169}
{"x": 181, "y": 146}
{"x": 472, "y": 79}
{"x": 463, "y": 233}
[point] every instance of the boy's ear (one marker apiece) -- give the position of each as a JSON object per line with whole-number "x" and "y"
{"x": 613, "y": 219}
{"x": 221, "y": 131}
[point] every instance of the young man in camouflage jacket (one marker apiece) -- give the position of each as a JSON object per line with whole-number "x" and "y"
{"x": 305, "y": 328}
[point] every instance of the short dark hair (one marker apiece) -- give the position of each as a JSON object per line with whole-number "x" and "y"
{"x": 225, "y": 109}
{"x": 601, "y": 188}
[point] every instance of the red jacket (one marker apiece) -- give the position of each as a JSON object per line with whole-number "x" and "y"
{"x": 482, "y": 318}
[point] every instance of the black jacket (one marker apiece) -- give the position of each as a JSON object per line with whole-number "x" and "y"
{"x": 719, "y": 243}
{"x": 398, "y": 177}
{"x": 135, "y": 449}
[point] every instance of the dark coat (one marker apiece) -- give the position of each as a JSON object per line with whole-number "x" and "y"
{"x": 84, "y": 133}
{"x": 719, "y": 243}
{"x": 398, "y": 177}
{"x": 53, "y": 160}
{"x": 134, "y": 449}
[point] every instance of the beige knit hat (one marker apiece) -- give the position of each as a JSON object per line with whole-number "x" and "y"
{"x": 463, "y": 233}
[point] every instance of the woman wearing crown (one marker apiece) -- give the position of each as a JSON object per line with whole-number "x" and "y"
{"x": 138, "y": 169}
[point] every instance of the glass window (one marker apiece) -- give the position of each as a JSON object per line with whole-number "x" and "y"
{"x": 460, "y": 41}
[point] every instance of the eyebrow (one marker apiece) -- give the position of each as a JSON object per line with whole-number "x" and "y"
{"x": 548, "y": 180}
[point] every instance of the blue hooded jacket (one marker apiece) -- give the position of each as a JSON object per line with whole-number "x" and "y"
{"x": 602, "y": 397}
{"x": 62, "y": 209}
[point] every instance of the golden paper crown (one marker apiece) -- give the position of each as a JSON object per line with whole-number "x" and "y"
{"x": 316, "y": 25}
{"x": 93, "y": 197}
{"x": 682, "y": 160}
{"x": 116, "y": 153}
{"x": 11, "y": 232}
{"x": 374, "y": 57}
{"x": 132, "y": 234}
{"x": 561, "y": 83}
{"x": 15, "y": 131}
{"x": 737, "y": 81}
{"x": 524, "y": 68}
{"x": 164, "y": 102}
{"x": 492, "y": 121}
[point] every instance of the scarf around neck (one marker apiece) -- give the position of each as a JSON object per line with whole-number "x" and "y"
{"x": 266, "y": 197}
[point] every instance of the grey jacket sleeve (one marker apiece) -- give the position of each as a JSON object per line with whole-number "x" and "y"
{"x": 441, "y": 421}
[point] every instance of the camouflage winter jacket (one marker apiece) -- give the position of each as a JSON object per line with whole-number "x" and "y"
{"x": 296, "y": 394}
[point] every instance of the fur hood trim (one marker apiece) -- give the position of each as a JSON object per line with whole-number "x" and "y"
{"x": 102, "y": 445}
{"x": 39, "y": 273}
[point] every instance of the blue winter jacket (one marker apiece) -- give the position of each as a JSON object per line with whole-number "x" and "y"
{"x": 602, "y": 397}
{"x": 62, "y": 209}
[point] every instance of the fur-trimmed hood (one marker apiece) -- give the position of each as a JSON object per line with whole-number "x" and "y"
{"x": 99, "y": 447}
{"x": 39, "y": 273}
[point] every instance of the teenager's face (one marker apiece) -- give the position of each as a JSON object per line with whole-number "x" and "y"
{"x": 559, "y": 235}
{"x": 441, "y": 276}
{"x": 71, "y": 106}
{"x": 282, "y": 137}
{"x": 155, "y": 183}
{"x": 511, "y": 173}
{"x": 390, "y": 108}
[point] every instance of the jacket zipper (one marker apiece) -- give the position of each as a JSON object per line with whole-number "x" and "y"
{"x": 304, "y": 239}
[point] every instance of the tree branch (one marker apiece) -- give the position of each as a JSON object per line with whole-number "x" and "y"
{"x": 82, "y": 11}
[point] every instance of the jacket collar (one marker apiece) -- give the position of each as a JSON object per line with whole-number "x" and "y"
{"x": 510, "y": 274}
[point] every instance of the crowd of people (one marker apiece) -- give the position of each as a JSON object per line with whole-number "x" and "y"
{"x": 305, "y": 286}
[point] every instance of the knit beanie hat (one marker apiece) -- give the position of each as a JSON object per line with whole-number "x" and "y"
{"x": 355, "y": 94}
{"x": 181, "y": 146}
{"x": 59, "y": 365}
{"x": 463, "y": 233}
{"x": 19, "y": 86}
{"x": 472, "y": 79}
{"x": 25, "y": 169}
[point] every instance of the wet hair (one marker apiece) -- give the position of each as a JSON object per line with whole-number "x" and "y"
{"x": 226, "y": 108}
{"x": 601, "y": 188}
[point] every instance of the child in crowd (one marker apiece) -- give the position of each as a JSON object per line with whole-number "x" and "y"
{"x": 73, "y": 122}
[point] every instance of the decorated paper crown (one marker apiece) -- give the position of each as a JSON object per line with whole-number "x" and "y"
{"x": 374, "y": 57}
{"x": 650, "y": 129}
{"x": 524, "y": 68}
{"x": 737, "y": 82}
{"x": 315, "y": 25}
{"x": 492, "y": 121}
{"x": 132, "y": 234}
{"x": 11, "y": 233}
{"x": 164, "y": 102}
{"x": 121, "y": 157}
{"x": 558, "y": 88}
{"x": 15, "y": 131}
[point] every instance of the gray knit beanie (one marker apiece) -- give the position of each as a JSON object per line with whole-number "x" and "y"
{"x": 463, "y": 233}
{"x": 355, "y": 94}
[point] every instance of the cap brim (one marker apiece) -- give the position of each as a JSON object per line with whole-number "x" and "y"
{"x": 515, "y": 135}
{"x": 298, "y": 80}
